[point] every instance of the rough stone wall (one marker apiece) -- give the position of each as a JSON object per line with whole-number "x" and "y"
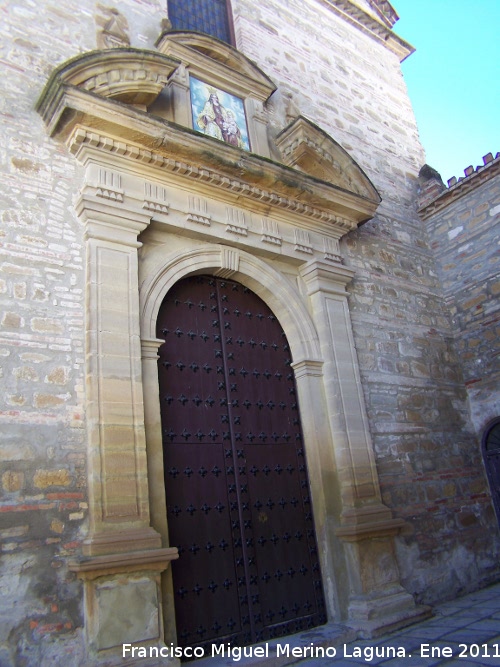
{"x": 466, "y": 236}
{"x": 339, "y": 78}
{"x": 428, "y": 455}
{"x": 43, "y": 503}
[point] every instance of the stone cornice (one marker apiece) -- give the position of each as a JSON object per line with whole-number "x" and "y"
{"x": 377, "y": 30}
{"x": 86, "y": 118}
{"x": 385, "y": 11}
{"x": 315, "y": 205}
{"x": 91, "y": 567}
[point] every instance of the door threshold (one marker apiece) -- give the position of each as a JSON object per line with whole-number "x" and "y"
{"x": 318, "y": 642}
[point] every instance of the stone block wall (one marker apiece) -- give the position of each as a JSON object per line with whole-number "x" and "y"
{"x": 428, "y": 455}
{"x": 43, "y": 496}
{"x": 464, "y": 224}
{"x": 340, "y": 78}
{"x": 42, "y": 452}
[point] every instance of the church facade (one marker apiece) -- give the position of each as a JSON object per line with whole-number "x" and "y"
{"x": 248, "y": 342}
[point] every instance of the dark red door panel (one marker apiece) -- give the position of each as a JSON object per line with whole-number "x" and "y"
{"x": 236, "y": 482}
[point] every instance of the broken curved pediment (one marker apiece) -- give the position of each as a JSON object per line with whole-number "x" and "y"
{"x": 129, "y": 75}
{"x": 306, "y": 147}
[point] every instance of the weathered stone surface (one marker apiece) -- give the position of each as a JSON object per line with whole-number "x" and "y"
{"x": 463, "y": 251}
{"x": 17, "y": 452}
{"x": 122, "y": 606}
{"x": 12, "y": 480}
{"x": 45, "y": 478}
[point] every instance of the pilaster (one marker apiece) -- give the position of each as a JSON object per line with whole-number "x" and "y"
{"x": 180, "y": 100}
{"x": 157, "y": 501}
{"x": 152, "y": 422}
{"x": 321, "y": 471}
{"x": 257, "y": 127}
{"x": 122, "y": 557}
{"x": 119, "y": 506}
{"x": 358, "y": 478}
{"x": 377, "y": 601}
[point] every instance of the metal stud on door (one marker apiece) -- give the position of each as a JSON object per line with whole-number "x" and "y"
{"x": 238, "y": 504}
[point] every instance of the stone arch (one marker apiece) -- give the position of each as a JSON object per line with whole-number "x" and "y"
{"x": 252, "y": 272}
{"x": 490, "y": 446}
{"x": 279, "y": 294}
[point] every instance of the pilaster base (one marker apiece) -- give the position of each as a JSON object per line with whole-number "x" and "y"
{"x": 378, "y": 603}
{"x": 123, "y": 607}
{"x": 386, "y": 613}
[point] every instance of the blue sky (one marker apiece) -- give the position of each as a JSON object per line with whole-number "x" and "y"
{"x": 453, "y": 78}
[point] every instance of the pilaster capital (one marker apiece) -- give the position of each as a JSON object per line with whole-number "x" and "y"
{"x": 308, "y": 367}
{"x": 150, "y": 347}
{"x": 110, "y": 220}
{"x": 180, "y": 77}
{"x": 321, "y": 276}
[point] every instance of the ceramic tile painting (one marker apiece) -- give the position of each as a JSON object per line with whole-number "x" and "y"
{"x": 218, "y": 114}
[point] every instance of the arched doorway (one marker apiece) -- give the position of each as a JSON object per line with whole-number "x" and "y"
{"x": 237, "y": 490}
{"x": 491, "y": 454}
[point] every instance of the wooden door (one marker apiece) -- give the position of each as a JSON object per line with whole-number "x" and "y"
{"x": 238, "y": 502}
